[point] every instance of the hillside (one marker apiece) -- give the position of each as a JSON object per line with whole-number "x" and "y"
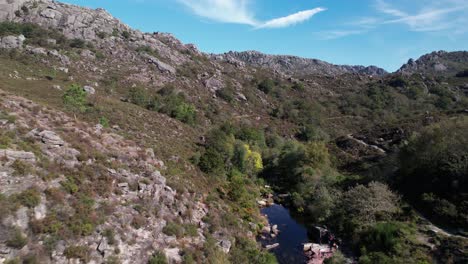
{"x": 119, "y": 146}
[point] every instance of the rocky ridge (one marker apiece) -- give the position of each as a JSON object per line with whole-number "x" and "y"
{"x": 437, "y": 62}
{"x": 293, "y": 65}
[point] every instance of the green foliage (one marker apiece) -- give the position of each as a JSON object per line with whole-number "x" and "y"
{"x": 246, "y": 251}
{"x": 148, "y": 50}
{"x": 104, "y": 122}
{"x": 77, "y": 43}
{"x": 74, "y": 98}
{"x": 17, "y": 240}
{"x": 227, "y": 94}
{"x": 158, "y": 258}
{"x": 167, "y": 101}
{"x": 312, "y": 133}
{"x": 362, "y": 206}
{"x": 21, "y": 168}
{"x": 173, "y": 229}
{"x": 433, "y": 169}
{"x": 29, "y": 198}
{"x": 126, "y": 34}
{"x": 35, "y": 35}
{"x": 266, "y": 86}
{"x": 77, "y": 252}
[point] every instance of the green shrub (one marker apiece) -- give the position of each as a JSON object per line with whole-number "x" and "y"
{"x": 103, "y": 121}
{"x": 173, "y": 229}
{"x": 21, "y": 168}
{"x": 266, "y": 86}
{"x": 17, "y": 240}
{"x": 77, "y": 43}
{"x": 126, "y": 34}
{"x": 29, "y": 198}
{"x": 158, "y": 258}
{"x": 74, "y": 98}
{"x": 77, "y": 252}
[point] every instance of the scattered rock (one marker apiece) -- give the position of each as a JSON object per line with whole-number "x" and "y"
{"x": 89, "y": 90}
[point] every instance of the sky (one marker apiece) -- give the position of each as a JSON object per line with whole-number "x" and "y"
{"x": 385, "y": 33}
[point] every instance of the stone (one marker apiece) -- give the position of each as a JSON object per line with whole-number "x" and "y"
{"x": 225, "y": 245}
{"x": 18, "y": 155}
{"x": 273, "y": 246}
{"x": 173, "y": 255}
{"x": 40, "y": 211}
{"x": 89, "y": 90}
{"x": 12, "y": 42}
{"x": 51, "y": 138}
{"x": 163, "y": 67}
{"x": 214, "y": 84}
{"x": 57, "y": 87}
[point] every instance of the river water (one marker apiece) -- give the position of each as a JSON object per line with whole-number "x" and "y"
{"x": 291, "y": 238}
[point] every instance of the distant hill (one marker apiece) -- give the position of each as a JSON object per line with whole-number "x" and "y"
{"x": 437, "y": 62}
{"x": 295, "y": 65}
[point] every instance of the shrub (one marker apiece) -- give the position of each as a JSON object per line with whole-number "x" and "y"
{"x": 184, "y": 112}
{"x": 74, "y": 98}
{"x": 77, "y": 43}
{"x": 77, "y": 252}
{"x": 173, "y": 229}
{"x": 364, "y": 205}
{"x": 17, "y": 240}
{"x": 227, "y": 94}
{"x": 103, "y": 121}
{"x": 126, "y": 34}
{"x": 158, "y": 258}
{"x": 21, "y": 168}
{"x": 266, "y": 86}
{"x": 29, "y": 198}
{"x": 138, "y": 96}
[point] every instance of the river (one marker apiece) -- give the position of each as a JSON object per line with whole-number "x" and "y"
{"x": 291, "y": 238}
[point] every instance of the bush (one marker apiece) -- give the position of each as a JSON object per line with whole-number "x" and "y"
{"x": 158, "y": 258}
{"x": 364, "y": 205}
{"x": 77, "y": 43}
{"x": 173, "y": 229}
{"x": 29, "y": 198}
{"x": 74, "y": 98}
{"x": 77, "y": 252}
{"x": 103, "y": 121}
{"x": 21, "y": 168}
{"x": 266, "y": 86}
{"x": 126, "y": 34}
{"x": 17, "y": 240}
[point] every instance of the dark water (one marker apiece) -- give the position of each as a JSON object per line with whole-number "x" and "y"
{"x": 291, "y": 238}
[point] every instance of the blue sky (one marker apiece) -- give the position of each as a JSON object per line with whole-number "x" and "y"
{"x": 385, "y": 33}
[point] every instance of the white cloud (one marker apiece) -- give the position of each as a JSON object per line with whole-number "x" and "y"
{"x": 240, "y": 12}
{"x": 293, "y": 19}
{"x": 335, "y": 34}
{"x": 434, "y": 16}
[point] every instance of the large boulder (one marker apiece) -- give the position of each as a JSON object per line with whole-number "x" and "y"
{"x": 12, "y": 42}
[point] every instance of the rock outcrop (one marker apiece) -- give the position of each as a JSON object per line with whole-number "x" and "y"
{"x": 293, "y": 65}
{"x": 438, "y": 62}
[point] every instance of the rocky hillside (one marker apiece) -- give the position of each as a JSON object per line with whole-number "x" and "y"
{"x": 293, "y": 65}
{"x": 116, "y": 143}
{"x": 437, "y": 62}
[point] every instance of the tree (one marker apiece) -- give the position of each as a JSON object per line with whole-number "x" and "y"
{"x": 364, "y": 205}
{"x": 74, "y": 98}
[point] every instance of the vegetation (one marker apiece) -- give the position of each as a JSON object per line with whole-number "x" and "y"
{"x": 433, "y": 171}
{"x": 74, "y": 99}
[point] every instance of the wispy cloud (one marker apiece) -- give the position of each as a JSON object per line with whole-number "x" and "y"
{"x": 434, "y": 16}
{"x": 335, "y": 34}
{"x": 293, "y": 19}
{"x": 240, "y": 12}
{"x": 443, "y": 16}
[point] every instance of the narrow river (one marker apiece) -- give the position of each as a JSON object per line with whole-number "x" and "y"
{"x": 291, "y": 238}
